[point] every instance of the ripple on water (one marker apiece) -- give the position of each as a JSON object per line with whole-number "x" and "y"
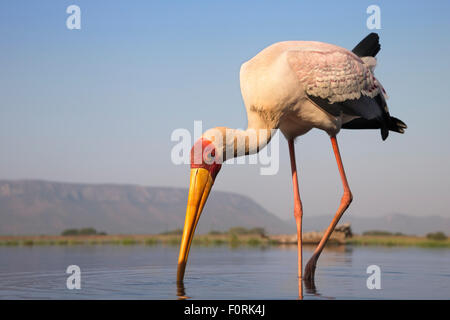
{"x": 141, "y": 272}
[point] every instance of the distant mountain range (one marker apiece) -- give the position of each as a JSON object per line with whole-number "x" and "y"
{"x": 42, "y": 207}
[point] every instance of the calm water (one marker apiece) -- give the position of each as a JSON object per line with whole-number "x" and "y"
{"x": 148, "y": 272}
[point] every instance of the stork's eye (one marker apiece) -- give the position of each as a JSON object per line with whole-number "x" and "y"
{"x": 210, "y": 156}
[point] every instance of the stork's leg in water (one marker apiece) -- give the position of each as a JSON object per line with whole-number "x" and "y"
{"x": 298, "y": 212}
{"x": 345, "y": 202}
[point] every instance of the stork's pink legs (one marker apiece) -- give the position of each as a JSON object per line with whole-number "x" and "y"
{"x": 345, "y": 202}
{"x": 298, "y": 213}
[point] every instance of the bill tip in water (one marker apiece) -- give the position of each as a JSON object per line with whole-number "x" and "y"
{"x": 180, "y": 271}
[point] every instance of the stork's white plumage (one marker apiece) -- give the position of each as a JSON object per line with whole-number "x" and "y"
{"x": 295, "y": 86}
{"x": 283, "y": 86}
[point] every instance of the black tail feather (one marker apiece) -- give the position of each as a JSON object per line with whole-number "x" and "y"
{"x": 395, "y": 125}
{"x": 368, "y": 47}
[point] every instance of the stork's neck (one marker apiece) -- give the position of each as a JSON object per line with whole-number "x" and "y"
{"x": 237, "y": 142}
{"x": 245, "y": 142}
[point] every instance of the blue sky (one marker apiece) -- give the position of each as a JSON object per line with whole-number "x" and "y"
{"x": 99, "y": 104}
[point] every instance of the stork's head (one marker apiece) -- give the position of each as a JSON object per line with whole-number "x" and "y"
{"x": 206, "y": 161}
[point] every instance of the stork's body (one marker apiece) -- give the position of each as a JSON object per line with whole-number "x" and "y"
{"x": 281, "y": 83}
{"x": 275, "y": 97}
{"x": 296, "y": 86}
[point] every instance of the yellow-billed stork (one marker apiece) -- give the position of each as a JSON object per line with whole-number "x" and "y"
{"x": 294, "y": 86}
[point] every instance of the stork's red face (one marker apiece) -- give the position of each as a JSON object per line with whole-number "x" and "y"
{"x": 205, "y": 165}
{"x": 204, "y": 155}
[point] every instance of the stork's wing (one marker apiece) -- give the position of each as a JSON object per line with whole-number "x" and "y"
{"x": 336, "y": 76}
{"x": 339, "y": 82}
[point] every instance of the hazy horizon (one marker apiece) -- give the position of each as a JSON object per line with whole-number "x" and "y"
{"x": 287, "y": 219}
{"x": 44, "y": 207}
{"x": 98, "y": 105}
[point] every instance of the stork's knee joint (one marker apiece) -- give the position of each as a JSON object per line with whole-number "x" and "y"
{"x": 298, "y": 211}
{"x": 347, "y": 197}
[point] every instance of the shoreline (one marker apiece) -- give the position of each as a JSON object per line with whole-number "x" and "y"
{"x": 233, "y": 240}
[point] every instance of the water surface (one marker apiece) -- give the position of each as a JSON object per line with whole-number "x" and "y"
{"x": 149, "y": 272}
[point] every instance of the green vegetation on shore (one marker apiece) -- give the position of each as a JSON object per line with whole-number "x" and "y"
{"x": 381, "y": 233}
{"x": 438, "y": 236}
{"x": 397, "y": 241}
{"x": 204, "y": 240}
{"x": 82, "y": 232}
{"x": 234, "y": 237}
{"x": 88, "y": 236}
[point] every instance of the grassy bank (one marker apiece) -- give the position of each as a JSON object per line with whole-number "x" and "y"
{"x": 231, "y": 240}
{"x": 393, "y": 241}
{"x": 125, "y": 240}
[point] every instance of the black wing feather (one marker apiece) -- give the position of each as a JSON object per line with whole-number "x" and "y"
{"x": 370, "y": 109}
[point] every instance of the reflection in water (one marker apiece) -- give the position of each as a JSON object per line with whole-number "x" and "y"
{"x": 339, "y": 254}
{"x": 310, "y": 286}
{"x": 181, "y": 291}
{"x": 332, "y": 256}
{"x": 300, "y": 289}
{"x": 144, "y": 272}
